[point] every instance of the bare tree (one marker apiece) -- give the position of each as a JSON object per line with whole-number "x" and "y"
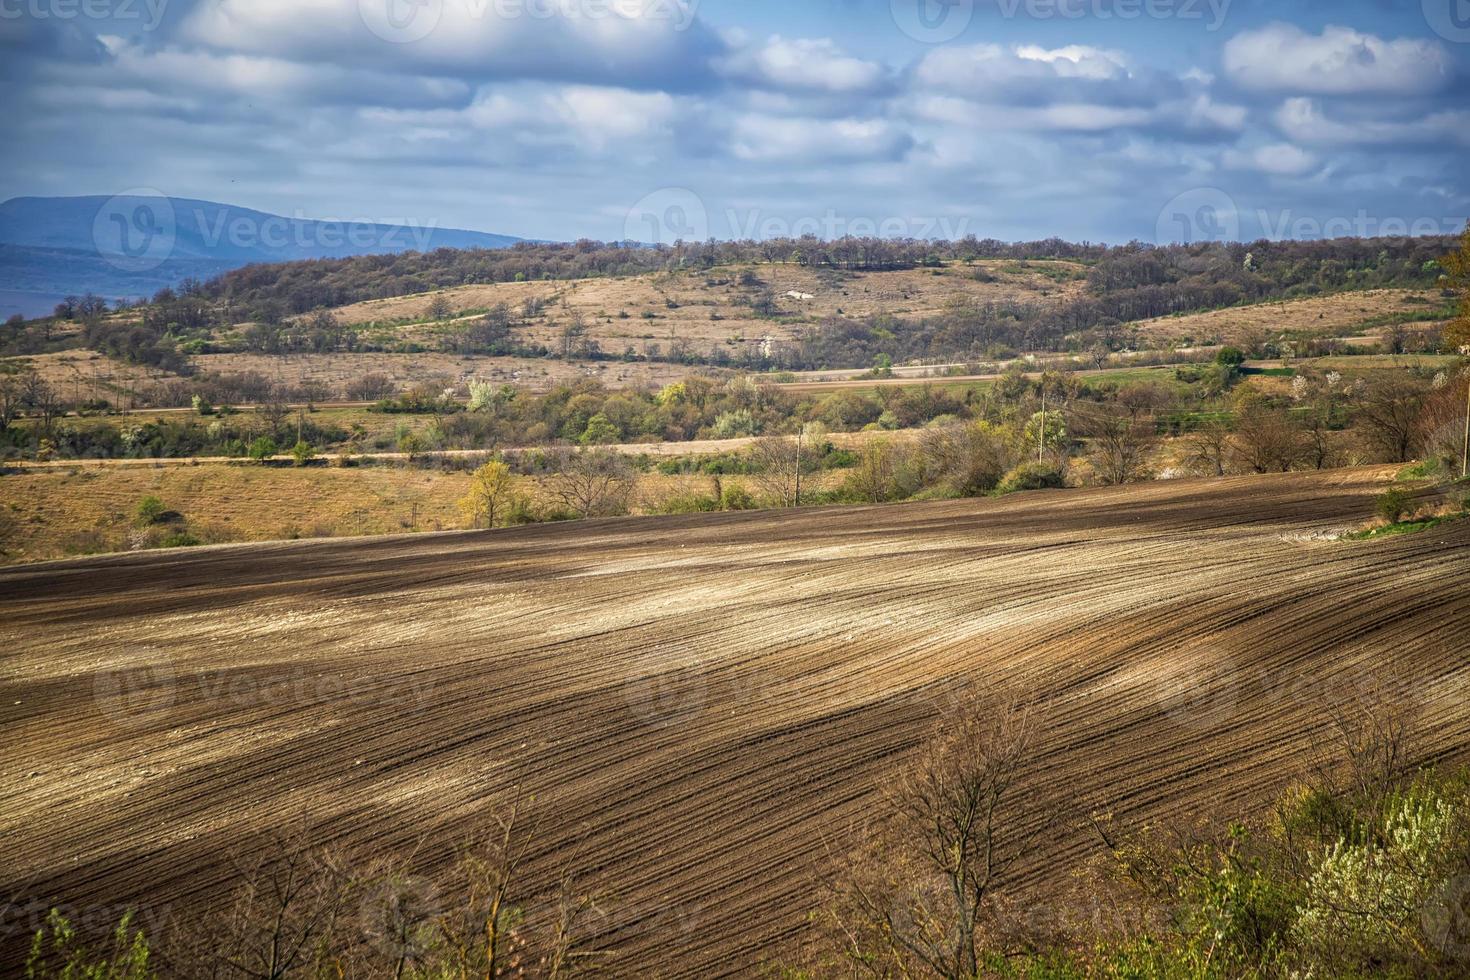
{"x": 1121, "y": 438}
{"x": 285, "y": 919}
{"x": 967, "y": 458}
{"x": 1267, "y": 440}
{"x": 1389, "y": 415}
{"x": 921, "y": 897}
{"x": 1207, "y": 449}
{"x": 777, "y": 463}
{"x": 370, "y": 388}
{"x": 591, "y": 482}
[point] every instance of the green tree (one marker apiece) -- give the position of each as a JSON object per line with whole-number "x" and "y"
{"x": 1457, "y": 277}
{"x": 491, "y": 497}
{"x": 302, "y": 452}
{"x": 263, "y": 449}
{"x": 599, "y": 432}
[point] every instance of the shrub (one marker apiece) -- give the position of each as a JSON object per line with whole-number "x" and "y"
{"x": 737, "y": 498}
{"x": 687, "y": 503}
{"x": 59, "y": 953}
{"x": 150, "y": 511}
{"x": 180, "y": 539}
{"x": 1393, "y": 504}
{"x": 302, "y": 453}
{"x": 263, "y": 448}
{"x": 1031, "y": 476}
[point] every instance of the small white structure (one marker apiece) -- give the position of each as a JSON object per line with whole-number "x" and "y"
{"x": 801, "y": 296}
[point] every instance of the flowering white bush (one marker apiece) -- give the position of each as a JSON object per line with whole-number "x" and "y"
{"x": 1371, "y": 893}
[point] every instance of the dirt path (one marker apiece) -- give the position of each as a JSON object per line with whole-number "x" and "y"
{"x": 692, "y": 447}
{"x": 695, "y": 701}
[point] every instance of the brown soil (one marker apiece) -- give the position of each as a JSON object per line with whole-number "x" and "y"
{"x": 697, "y": 702}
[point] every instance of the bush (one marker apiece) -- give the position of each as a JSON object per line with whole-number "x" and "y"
{"x": 1393, "y": 504}
{"x": 59, "y": 953}
{"x": 263, "y": 448}
{"x": 687, "y": 503}
{"x": 180, "y": 539}
{"x": 150, "y": 511}
{"x": 1031, "y": 476}
{"x": 737, "y": 498}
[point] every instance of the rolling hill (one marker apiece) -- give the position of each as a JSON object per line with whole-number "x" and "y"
{"x": 695, "y": 705}
{"x": 132, "y": 245}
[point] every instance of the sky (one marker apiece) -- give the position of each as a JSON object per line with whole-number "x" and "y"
{"x": 652, "y": 120}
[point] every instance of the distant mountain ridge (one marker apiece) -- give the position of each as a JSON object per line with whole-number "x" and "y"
{"x": 131, "y": 246}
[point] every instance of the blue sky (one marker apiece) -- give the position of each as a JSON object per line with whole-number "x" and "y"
{"x": 1105, "y": 120}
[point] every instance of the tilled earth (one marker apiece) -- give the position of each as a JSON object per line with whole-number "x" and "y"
{"x": 692, "y": 705}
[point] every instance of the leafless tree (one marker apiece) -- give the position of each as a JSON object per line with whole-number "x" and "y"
{"x": 778, "y": 463}
{"x": 1121, "y": 438}
{"x": 285, "y": 920}
{"x": 591, "y": 482}
{"x": 921, "y": 896}
{"x": 1267, "y": 440}
{"x": 371, "y": 388}
{"x": 967, "y": 458}
{"x": 1389, "y": 415}
{"x": 1207, "y": 448}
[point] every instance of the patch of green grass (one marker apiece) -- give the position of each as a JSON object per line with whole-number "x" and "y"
{"x": 1405, "y": 527}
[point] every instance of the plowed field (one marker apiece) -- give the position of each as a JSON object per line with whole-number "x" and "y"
{"x": 694, "y": 703}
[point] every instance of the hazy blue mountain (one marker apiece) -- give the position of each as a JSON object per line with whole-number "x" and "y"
{"x": 131, "y": 246}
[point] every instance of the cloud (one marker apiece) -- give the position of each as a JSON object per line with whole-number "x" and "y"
{"x": 1028, "y": 75}
{"x": 803, "y": 66}
{"x": 1339, "y": 61}
{"x": 641, "y": 45}
{"x": 771, "y": 139}
{"x": 1304, "y": 120}
{"x": 1277, "y": 159}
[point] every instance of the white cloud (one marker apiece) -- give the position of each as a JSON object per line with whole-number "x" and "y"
{"x": 1277, "y": 159}
{"x": 1339, "y": 61}
{"x": 1304, "y": 120}
{"x": 991, "y": 72}
{"x": 776, "y": 139}
{"x": 803, "y": 65}
{"x": 639, "y": 44}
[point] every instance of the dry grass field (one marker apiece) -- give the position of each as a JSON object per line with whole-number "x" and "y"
{"x": 49, "y": 512}
{"x": 694, "y": 705}
{"x": 1328, "y": 316}
{"x": 405, "y": 370}
{"x": 709, "y": 307}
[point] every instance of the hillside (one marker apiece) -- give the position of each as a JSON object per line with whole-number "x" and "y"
{"x": 693, "y": 706}
{"x": 54, "y": 246}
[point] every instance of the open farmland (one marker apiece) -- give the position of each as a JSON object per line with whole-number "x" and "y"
{"x": 694, "y": 704}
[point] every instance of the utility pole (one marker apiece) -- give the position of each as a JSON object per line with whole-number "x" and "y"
{"x": 799, "y": 434}
{"x": 1465, "y": 459}
{"x": 1041, "y": 431}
